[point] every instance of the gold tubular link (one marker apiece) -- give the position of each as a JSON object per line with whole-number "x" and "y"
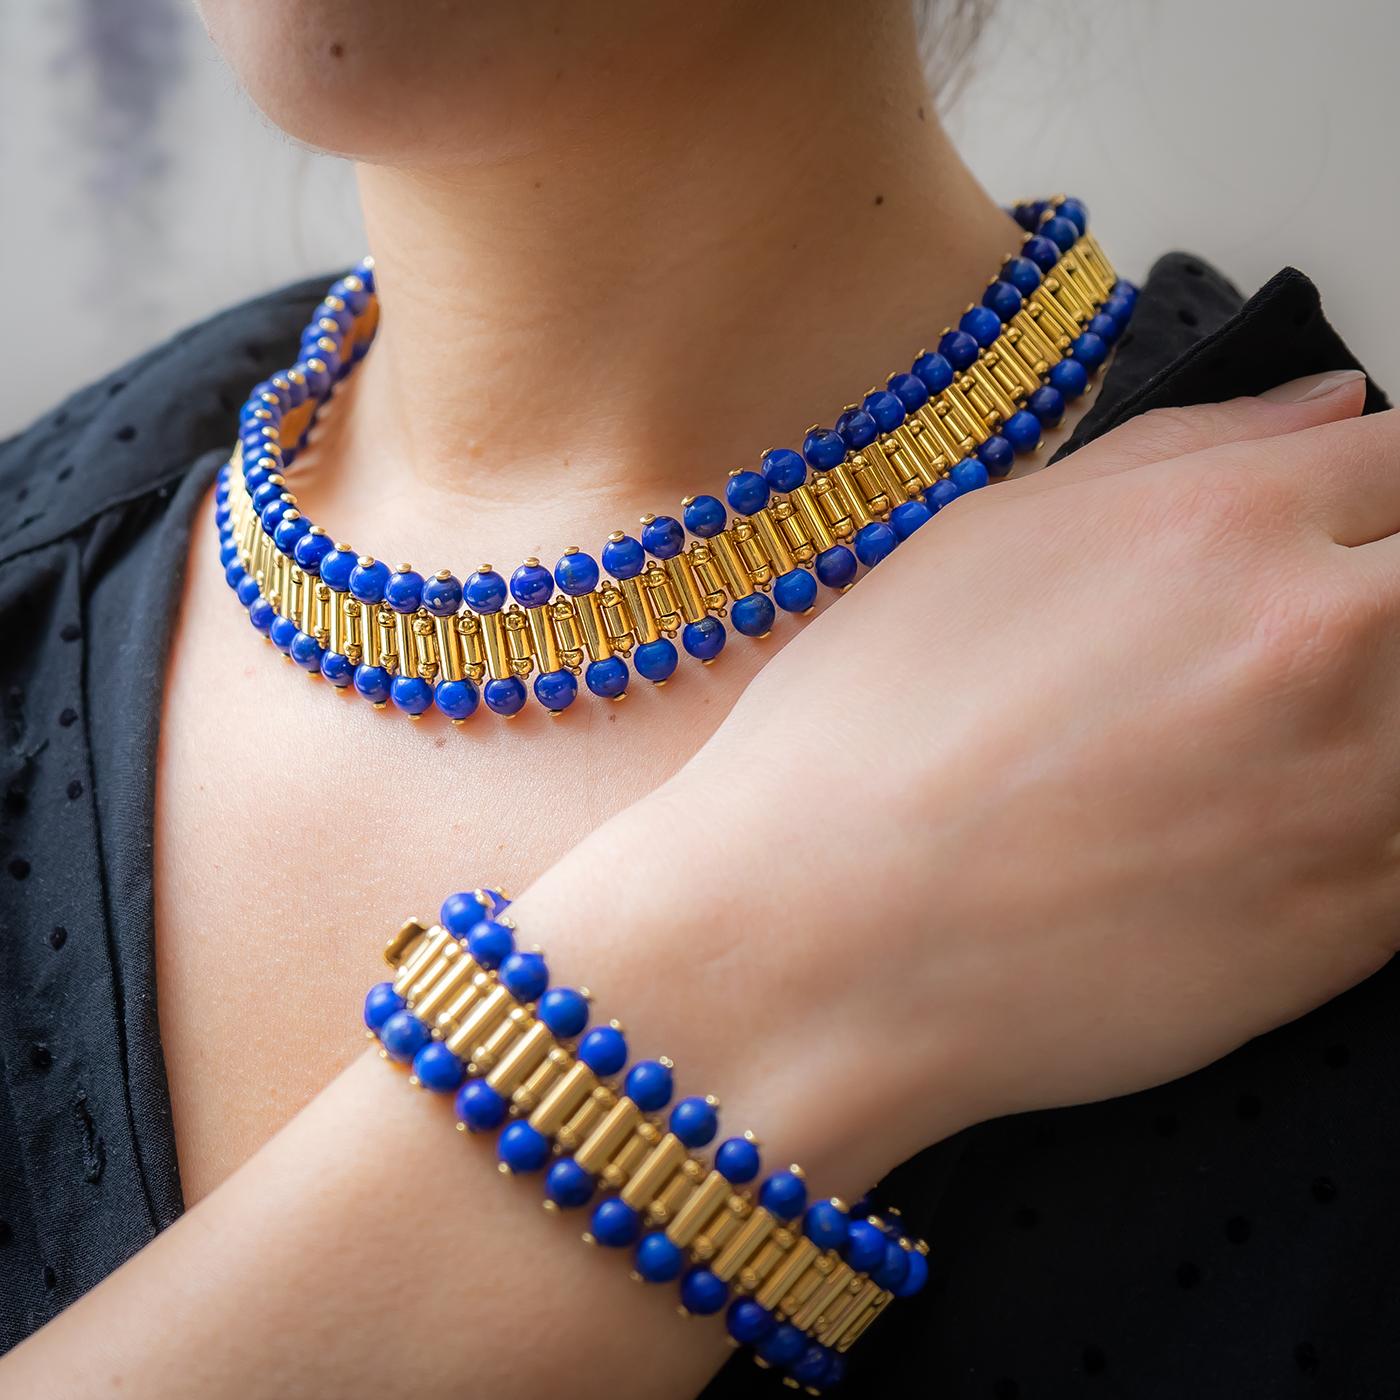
{"x": 320, "y": 611}
{"x": 819, "y": 1269}
{"x": 427, "y": 979}
{"x": 524, "y": 1057}
{"x": 960, "y": 416}
{"x": 493, "y": 633}
{"x": 690, "y": 1220}
{"x": 785, "y": 1274}
{"x": 844, "y": 489}
{"x": 870, "y": 1308}
{"x": 725, "y": 552}
{"x": 680, "y": 572}
{"x": 813, "y": 518}
{"x": 1093, "y": 258}
{"x": 752, "y": 1234}
{"x": 595, "y": 633}
{"x": 397, "y": 948}
{"x": 834, "y": 506}
{"x": 425, "y": 646}
{"x": 709, "y": 578}
{"x": 901, "y": 483}
{"x": 779, "y": 560}
{"x": 276, "y": 567}
{"x": 1067, "y": 294}
{"x": 873, "y": 487}
{"x": 1015, "y": 376}
{"x": 793, "y": 532}
{"x": 483, "y": 1018}
{"x": 458, "y": 976}
{"x": 845, "y": 1308}
{"x": 419, "y": 957}
{"x": 335, "y": 624}
{"x": 518, "y": 655}
{"x": 643, "y": 618}
{"x": 473, "y": 651}
{"x": 1057, "y": 323}
{"x": 541, "y": 1080}
{"x": 404, "y": 647}
{"x": 451, "y": 1016}
{"x": 721, "y": 1228}
{"x": 662, "y": 595}
{"x": 661, "y": 1163}
{"x": 671, "y": 1198}
{"x": 359, "y": 643}
{"x": 997, "y": 400}
{"x": 564, "y": 617}
{"x": 1041, "y": 352}
{"x": 627, "y": 1159}
{"x": 919, "y": 450}
{"x": 595, "y": 1152}
{"x": 382, "y": 617}
{"x": 564, "y": 1099}
{"x": 542, "y": 641}
{"x": 589, "y": 1114}
{"x": 487, "y": 1055}
{"x": 809, "y": 1313}
{"x": 751, "y": 552}
{"x": 618, "y": 624}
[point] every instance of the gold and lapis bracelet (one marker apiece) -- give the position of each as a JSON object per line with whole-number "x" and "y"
{"x": 957, "y": 419}
{"x": 474, "y": 1016}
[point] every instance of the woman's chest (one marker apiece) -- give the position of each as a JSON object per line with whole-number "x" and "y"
{"x": 297, "y": 826}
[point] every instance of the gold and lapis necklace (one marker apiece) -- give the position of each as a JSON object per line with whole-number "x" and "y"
{"x": 957, "y": 419}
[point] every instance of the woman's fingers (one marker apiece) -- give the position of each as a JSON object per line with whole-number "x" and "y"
{"x": 1166, "y": 433}
{"x": 1344, "y": 475}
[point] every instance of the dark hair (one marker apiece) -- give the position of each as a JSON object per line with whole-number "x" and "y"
{"x": 948, "y": 33}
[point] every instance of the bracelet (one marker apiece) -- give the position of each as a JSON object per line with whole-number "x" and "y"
{"x": 476, "y": 1017}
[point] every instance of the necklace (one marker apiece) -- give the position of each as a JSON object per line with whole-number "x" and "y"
{"x": 956, "y": 420}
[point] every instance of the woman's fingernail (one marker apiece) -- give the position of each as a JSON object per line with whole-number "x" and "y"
{"x": 1312, "y": 386}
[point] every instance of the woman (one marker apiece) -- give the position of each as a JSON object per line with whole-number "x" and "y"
{"x": 1091, "y": 782}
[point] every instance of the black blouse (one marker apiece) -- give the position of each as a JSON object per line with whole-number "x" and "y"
{"x": 1233, "y": 1234}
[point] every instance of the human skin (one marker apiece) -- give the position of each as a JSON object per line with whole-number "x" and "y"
{"x": 1088, "y": 783}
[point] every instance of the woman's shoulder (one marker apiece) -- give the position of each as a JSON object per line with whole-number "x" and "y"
{"x": 140, "y": 427}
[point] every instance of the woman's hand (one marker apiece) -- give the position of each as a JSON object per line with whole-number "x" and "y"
{"x": 1094, "y": 779}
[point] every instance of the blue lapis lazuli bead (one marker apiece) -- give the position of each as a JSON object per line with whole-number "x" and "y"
{"x": 656, "y": 661}
{"x": 982, "y": 324}
{"x": 658, "y": 1259}
{"x": 556, "y": 690}
{"x": 783, "y": 1194}
{"x": 1022, "y": 431}
{"x": 462, "y": 912}
{"x": 704, "y": 640}
{"x": 915, "y": 1274}
{"x": 703, "y": 1293}
{"x": 795, "y": 591}
{"x": 490, "y": 943}
{"x": 1089, "y": 349}
{"x": 283, "y": 632}
{"x": 940, "y": 494}
{"x": 783, "y": 1345}
{"x": 456, "y": 699}
{"x": 1048, "y": 405}
{"x": 248, "y": 592}
{"x": 337, "y": 669}
{"x": 857, "y": 428}
{"x": 874, "y": 542}
{"x": 823, "y": 448}
{"x": 435, "y": 1067}
{"x": 272, "y": 515}
{"x": 485, "y": 591}
{"x": 737, "y": 1160}
{"x": 826, "y": 1225}
{"x": 576, "y": 573}
{"x": 663, "y": 536}
{"x": 442, "y": 594}
{"x": 1061, "y": 232}
{"x": 694, "y": 1121}
{"x": 480, "y": 1107}
{"x": 890, "y": 1271}
{"x": 410, "y": 694}
{"x": 532, "y": 585}
{"x": 614, "y": 1223}
{"x": 836, "y": 567}
{"x": 306, "y": 651}
{"x": 648, "y": 1085}
{"x": 403, "y": 590}
{"x": 564, "y": 1011}
{"x": 748, "y": 1322}
{"x": 865, "y": 1246}
{"x": 969, "y": 475}
{"x": 368, "y": 579}
{"x": 264, "y": 496}
{"x": 525, "y": 975}
{"x": 959, "y": 348}
{"x": 381, "y": 1002}
{"x": 234, "y": 572}
{"x": 753, "y": 616}
{"x": 403, "y": 1035}
{"x": 746, "y": 492}
{"x": 607, "y": 677}
{"x": 261, "y": 615}
{"x": 886, "y": 408}
{"x": 310, "y": 549}
{"x": 997, "y": 455}
{"x": 1041, "y": 251}
{"x": 289, "y": 530}
{"x": 1022, "y": 274}
{"x": 567, "y": 1184}
{"x": 373, "y": 682}
{"x": 809, "y": 1370}
{"x": 1105, "y": 327}
{"x": 1070, "y": 377}
{"x": 907, "y": 517}
{"x": 934, "y": 370}
{"x": 704, "y": 516}
{"x": 1123, "y": 288}
{"x": 1002, "y": 299}
{"x": 624, "y": 557}
{"x": 783, "y": 469}
{"x": 1075, "y": 211}
{"x": 1120, "y": 308}
{"x": 505, "y": 696}
{"x": 521, "y": 1148}
{"x": 336, "y": 568}
{"x": 910, "y": 390}
{"x": 603, "y": 1050}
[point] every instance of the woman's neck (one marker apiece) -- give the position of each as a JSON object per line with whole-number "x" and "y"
{"x": 620, "y": 304}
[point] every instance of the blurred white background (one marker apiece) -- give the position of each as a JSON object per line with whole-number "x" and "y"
{"x": 142, "y": 191}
